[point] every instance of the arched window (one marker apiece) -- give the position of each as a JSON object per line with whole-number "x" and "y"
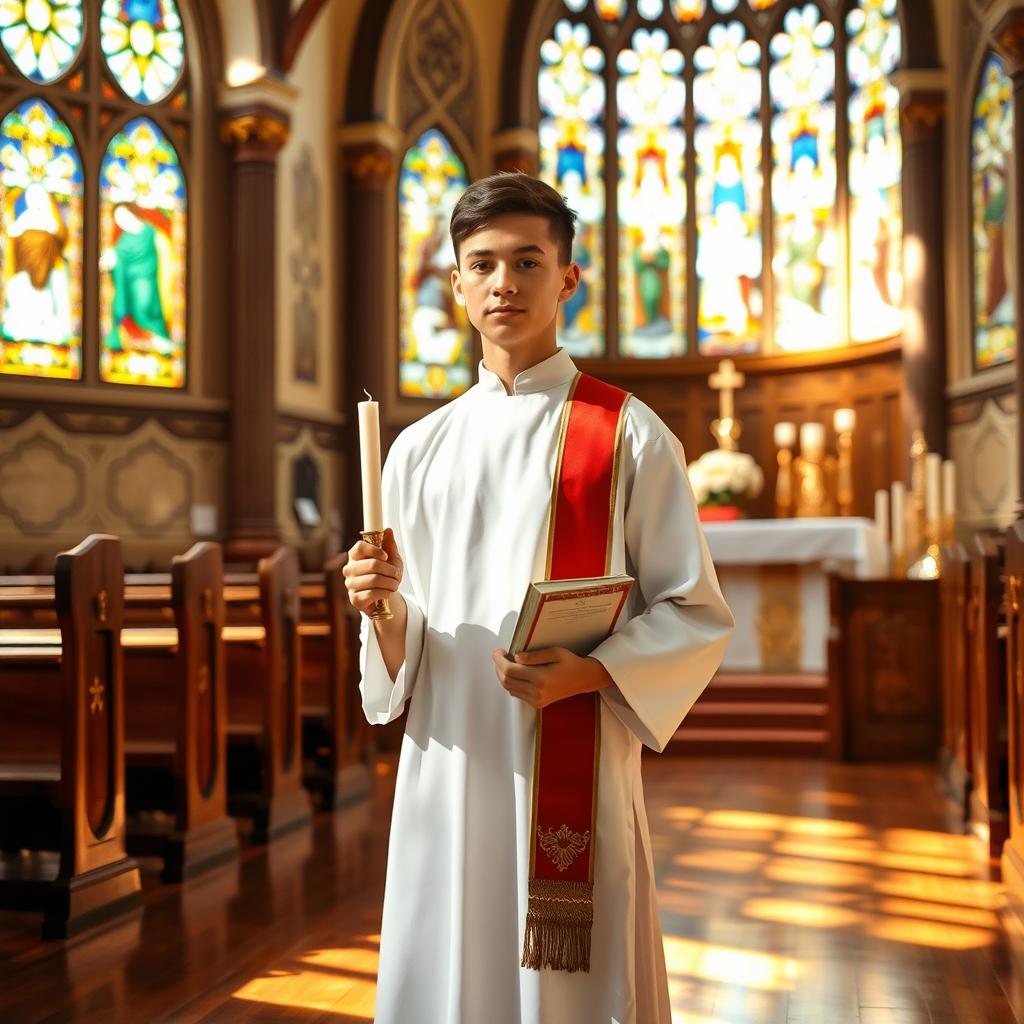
{"x": 435, "y": 341}
{"x": 735, "y": 166}
{"x": 93, "y": 211}
{"x": 992, "y": 172}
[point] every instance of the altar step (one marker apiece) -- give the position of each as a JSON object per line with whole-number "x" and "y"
{"x": 747, "y": 714}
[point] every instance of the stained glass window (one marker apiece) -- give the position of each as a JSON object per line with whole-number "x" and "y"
{"x": 42, "y": 37}
{"x": 572, "y": 104}
{"x": 876, "y": 160}
{"x": 652, "y": 197}
{"x": 726, "y": 98}
{"x": 143, "y": 221}
{"x": 144, "y": 46}
{"x": 808, "y": 311}
{"x": 40, "y": 244}
{"x": 434, "y": 334}
{"x": 992, "y": 171}
{"x": 713, "y": 222}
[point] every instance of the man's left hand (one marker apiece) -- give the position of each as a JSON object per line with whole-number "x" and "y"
{"x": 541, "y": 677}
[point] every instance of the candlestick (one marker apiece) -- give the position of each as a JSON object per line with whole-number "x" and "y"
{"x": 844, "y": 420}
{"x": 812, "y": 438}
{"x": 882, "y": 514}
{"x": 784, "y": 484}
{"x": 948, "y": 501}
{"x": 932, "y": 487}
{"x": 785, "y": 435}
{"x": 929, "y": 565}
{"x": 373, "y": 510}
{"x": 369, "y": 456}
{"x": 899, "y": 529}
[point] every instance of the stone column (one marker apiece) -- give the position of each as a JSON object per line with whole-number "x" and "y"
{"x": 1009, "y": 35}
{"x": 257, "y": 134}
{"x": 517, "y": 149}
{"x": 370, "y": 161}
{"x": 922, "y": 113}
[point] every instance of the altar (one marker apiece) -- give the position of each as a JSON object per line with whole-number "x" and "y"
{"x": 774, "y": 576}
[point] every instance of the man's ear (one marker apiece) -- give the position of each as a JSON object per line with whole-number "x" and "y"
{"x": 457, "y": 288}
{"x": 570, "y": 282}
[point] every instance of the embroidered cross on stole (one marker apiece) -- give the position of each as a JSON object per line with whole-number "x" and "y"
{"x": 560, "y": 911}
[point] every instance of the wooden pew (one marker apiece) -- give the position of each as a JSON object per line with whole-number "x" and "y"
{"x": 1012, "y": 860}
{"x": 62, "y": 748}
{"x": 264, "y": 702}
{"x": 957, "y": 648}
{"x": 176, "y": 724}
{"x": 987, "y": 713}
{"x": 335, "y": 733}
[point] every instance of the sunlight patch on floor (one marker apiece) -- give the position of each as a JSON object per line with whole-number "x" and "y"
{"x": 765, "y": 971}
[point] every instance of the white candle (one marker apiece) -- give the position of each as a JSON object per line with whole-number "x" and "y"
{"x": 899, "y": 524}
{"x": 812, "y": 437}
{"x": 785, "y": 435}
{"x": 844, "y": 420}
{"x": 932, "y": 486}
{"x": 949, "y": 488}
{"x": 369, "y": 455}
{"x": 882, "y": 514}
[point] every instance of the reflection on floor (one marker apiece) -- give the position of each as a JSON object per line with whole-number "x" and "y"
{"x": 792, "y": 892}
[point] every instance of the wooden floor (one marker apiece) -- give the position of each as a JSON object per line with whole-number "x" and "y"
{"x": 793, "y": 892}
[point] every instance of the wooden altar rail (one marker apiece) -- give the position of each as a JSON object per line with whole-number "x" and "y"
{"x": 62, "y": 771}
{"x": 957, "y": 644}
{"x": 335, "y": 734}
{"x": 1013, "y": 849}
{"x": 987, "y": 713}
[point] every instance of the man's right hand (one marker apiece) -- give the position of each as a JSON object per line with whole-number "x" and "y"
{"x": 372, "y": 573}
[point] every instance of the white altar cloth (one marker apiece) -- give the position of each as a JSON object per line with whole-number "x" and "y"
{"x": 774, "y": 576}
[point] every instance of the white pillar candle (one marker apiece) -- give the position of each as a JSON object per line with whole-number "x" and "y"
{"x": 785, "y": 435}
{"x": 882, "y": 514}
{"x": 812, "y": 437}
{"x": 932, "y": 486}
{"x": 899, "y": 523}
{"x": 844, "y": 420}
{"x": 949, "y": 489}
{"x": 369, "y": 455}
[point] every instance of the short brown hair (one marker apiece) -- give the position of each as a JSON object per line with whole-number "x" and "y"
{"x": 513, "y": 192}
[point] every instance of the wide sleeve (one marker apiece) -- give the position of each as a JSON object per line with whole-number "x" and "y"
{"x": 663, "y": 657}
{"x": 384, "y": 700}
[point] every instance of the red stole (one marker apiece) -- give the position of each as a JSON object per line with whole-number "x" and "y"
{"x": 560, "y": 911}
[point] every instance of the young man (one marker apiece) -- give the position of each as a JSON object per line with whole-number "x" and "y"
{"x": 467, "y": 495}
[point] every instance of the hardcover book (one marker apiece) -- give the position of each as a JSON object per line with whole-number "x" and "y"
{"x": 575, "y": 614}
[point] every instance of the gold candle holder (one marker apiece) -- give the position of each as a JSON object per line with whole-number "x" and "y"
{"x": 918, "y": 451}
{"x": 844, "y": 486}
{"x": 929, "y": 565}
{"x": 381, "y": 608}
{"x": 784, "y": 484}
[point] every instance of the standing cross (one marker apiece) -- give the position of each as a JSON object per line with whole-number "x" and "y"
{"x": 725, "y": 382}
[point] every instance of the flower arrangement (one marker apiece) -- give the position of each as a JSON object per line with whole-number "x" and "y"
{"x": 722, "y": 477}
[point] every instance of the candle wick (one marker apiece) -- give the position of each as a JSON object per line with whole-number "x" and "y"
{"x": 368, "y": 395}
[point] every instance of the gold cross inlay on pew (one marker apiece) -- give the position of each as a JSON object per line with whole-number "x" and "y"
{"x": 96, "y": 692}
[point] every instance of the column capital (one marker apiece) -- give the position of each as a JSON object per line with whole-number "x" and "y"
{"x": 256, "y": 134}
{"x": 516, "y": 149}
{"x": 921, "y": 114}
{"x": 1009, "y": 38}
{"x": 371, "y": 151}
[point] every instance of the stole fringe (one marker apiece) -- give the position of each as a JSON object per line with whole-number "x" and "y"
{"x": 559, "y": 919}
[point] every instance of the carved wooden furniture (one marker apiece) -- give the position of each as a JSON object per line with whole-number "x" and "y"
{"x": 1013, "y": 849}
{"x": 883, "y": 668}
{"x": 62, "y": 748}
{"x": 264, "y": 708}
{"x": 988, "y": 754}
{"x": 176, "y": 713}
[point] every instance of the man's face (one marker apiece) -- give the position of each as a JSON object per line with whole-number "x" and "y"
{"x": 511, "y": 279}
